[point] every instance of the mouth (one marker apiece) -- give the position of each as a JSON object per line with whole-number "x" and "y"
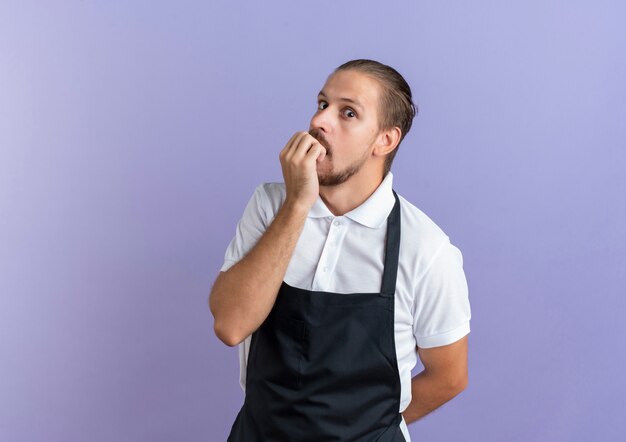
{"x": 319, "y": 137}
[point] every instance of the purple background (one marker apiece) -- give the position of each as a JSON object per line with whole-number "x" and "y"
{"x": 132, "y": 134}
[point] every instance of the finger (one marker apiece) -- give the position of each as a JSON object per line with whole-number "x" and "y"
{"x": 304, "y": 145}
{"x": 322, "y": 153}
{"x": 291, "y": 151}
{"x": 316, "y": 152}
{"x": 290, "y": 143}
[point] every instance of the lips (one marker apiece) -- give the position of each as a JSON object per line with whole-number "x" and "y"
{"x": 320, "y": 137}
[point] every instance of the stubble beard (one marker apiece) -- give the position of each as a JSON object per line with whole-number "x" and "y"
{"x": 332, "y": 178}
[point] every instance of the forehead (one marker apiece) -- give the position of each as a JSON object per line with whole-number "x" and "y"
{"x": 353, "y": 85}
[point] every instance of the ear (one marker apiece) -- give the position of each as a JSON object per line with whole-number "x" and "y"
{"x": 387, "y": 141}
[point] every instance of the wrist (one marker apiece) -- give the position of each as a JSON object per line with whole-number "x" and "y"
{"x": 295, "y": 208}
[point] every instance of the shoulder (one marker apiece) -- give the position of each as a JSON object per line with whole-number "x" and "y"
{"x": 421, "y": 238}
{"x": 271, "y": 197}
{"x": 418, "y": 226}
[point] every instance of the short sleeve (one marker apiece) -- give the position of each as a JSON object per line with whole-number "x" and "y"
{"x": 243, "y": 350}
{"x": 442, "y": 311}
{"x": 249, "y": 229}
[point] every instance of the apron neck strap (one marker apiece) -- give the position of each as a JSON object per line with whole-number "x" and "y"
{"x": 392, "y": 250}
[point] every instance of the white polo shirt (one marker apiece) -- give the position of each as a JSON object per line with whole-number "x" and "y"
{"x": 345, "y": 254}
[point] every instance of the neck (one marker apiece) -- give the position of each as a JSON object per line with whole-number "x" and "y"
{"x": 342, "y": 198}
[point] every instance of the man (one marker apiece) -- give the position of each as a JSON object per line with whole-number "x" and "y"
{"x": 334, "y": 284}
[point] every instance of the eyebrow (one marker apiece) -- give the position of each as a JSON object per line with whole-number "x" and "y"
{"x": 349, "y": 100}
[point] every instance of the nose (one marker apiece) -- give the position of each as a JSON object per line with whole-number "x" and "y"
{"x": 321, "y": 121}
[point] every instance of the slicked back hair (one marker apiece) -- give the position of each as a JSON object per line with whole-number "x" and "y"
{"x": 396, "y": 102}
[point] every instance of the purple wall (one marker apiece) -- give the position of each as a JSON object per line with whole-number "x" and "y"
{"x": 132, "y": 134}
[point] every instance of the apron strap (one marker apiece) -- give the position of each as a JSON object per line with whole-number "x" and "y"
{"x": 392, "y": 250}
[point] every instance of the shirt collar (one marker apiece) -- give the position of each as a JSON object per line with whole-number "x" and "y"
{"x": 371, "y": 213}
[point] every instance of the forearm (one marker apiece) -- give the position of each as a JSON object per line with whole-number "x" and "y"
{"x": 243, "y": 296}
{"x": 428, "y": 393}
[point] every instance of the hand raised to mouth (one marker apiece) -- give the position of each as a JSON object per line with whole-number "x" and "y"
{"x": 298, "y": 160}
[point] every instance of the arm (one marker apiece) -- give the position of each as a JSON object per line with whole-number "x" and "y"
{"x": 243, "y": 296}
{"x": 444, "y": 376}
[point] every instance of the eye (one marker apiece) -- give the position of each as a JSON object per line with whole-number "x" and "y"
{"x": 349, "y": 113}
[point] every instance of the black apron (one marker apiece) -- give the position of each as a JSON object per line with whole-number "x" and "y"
{"x": 322, "y": 367}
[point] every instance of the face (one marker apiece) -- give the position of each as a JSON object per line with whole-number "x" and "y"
{"x": 346, "y": 124}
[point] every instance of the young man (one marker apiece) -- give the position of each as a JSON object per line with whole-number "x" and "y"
{"x": 334, "y": 284}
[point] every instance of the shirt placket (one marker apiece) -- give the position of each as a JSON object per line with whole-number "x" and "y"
{"x": 328, "y": 260}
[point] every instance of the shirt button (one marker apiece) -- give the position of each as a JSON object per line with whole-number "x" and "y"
{"x": 325, "y": 269}
{"x": 337, "y": 222}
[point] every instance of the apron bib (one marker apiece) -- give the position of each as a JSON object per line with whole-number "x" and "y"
{"x": 322, "y": 367}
